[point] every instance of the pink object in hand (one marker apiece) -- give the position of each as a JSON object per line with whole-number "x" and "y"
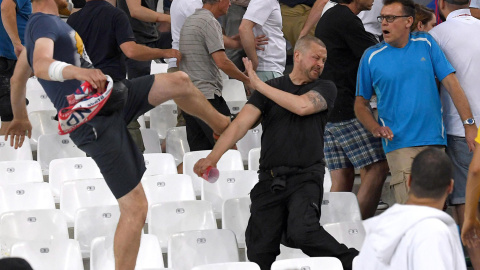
{"x": 211, "y": 174}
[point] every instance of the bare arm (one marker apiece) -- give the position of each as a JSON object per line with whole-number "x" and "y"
{"x": 232, "y": 42}
{"x": 9, "y": 20}
{"x": 144, "y": 53}
{"x": 142, "y": 13}
{"x": 313, "y": 17}
{"x": 248, "y": 41}
{"x": 306, "y": 104}
{"x": 475, "y": 12}
{"x": 227, "y": 66}
{"x": 471, "y": 225}
{"x": 460, "y": 101}
{"x": 247, "y": 117}
{"x": 365, "y": 116}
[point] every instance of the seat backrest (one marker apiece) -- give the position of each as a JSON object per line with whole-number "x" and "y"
{"x": 8, "y": 153}
{"x": 228, "y": 266}
{"x": 25, "y": 196}
{"x": 311, "y": 263}
{"x": 69, "y": 169}
{"x": 55, "y": 146}
{"x": 93, "y": 222}
{"x": 163, "y": 117}
{"x": 233, "y": 90}
{"x": 156, "y": 68}
{"x": 20, "y": 171}
{"x": 251, "y": 140}
{"x": 37, "y": 97}
{"x": 327, "y": 181}
{"x": 31, "y": 225}
{"x": 204, "y": 247}
{"x": 290, "y": 253}
{"x": 43, "y": 122}
{"x": 177, "y": 143}
{"x": 84, "y": 193}
{"x": 159, "y": 163}
{"x": 235, "y": 215}
{"x": 230, "y": 184}
{"x": 149, "y": 254}
{"x": 338, "y": 207}
{"x": 151, "y": 141}
{"x": 167, "y": 188}
{"x": 50, "y": 254}
{"x": 352, "y": 233}
{"x": 173, "y": 217}
{"x": 254, "y": 159}
{"x": 231, "y": 160}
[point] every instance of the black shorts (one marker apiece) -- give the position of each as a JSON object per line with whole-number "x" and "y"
{"x": 6, "y": 71}
{"x": 107, "y": 141}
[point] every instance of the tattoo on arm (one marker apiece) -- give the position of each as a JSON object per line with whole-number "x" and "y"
{"x": 318, "y": 102}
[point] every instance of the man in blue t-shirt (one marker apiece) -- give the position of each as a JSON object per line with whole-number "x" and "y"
{"x": 55, "y": 52}
{"x": 12, "y": 27}
{"x": 401, "y": 71}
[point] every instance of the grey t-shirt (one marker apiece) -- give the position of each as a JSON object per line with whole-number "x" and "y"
{"x": 201, "y": 35}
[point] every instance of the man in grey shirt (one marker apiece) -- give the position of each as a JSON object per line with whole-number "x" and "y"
{"x": 203, "y": 54}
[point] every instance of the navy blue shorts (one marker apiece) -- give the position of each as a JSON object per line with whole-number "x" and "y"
{"x": 107, "y": 140}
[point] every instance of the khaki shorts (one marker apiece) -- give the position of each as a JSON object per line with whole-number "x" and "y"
{"x": 400, "y": 163}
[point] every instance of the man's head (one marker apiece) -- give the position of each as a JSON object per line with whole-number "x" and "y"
{"x": 447, "y": 6}
{"x": 396, "y": 18}
{"x": 217, "y": 7}
{"x": 431, "y": 176}
{"x": 310, "y": 55}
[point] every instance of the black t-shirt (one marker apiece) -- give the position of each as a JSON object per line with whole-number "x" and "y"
{"x": 289, "y": 139}
{"x": 145, "y": 32}
{"x": 346, "y": 40}
{"x": 292, "y": 3}
{"x": 103, "y": 28}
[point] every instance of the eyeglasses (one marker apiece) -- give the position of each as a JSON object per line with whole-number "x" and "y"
{"x": 390, "y": 18}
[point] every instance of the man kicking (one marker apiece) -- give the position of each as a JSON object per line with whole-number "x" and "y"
{"x": 55, "y": 53}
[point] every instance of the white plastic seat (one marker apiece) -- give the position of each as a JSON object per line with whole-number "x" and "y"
{"x": 176, "y": 143}
{"x": 93, "y": 222}
{"x": 159, "y": 163}
{"x": 163, "y": 117}
{"x": 8, "y": 153}
{"x": 230, "y": 184}
{"x": 156, "y": 68}
{"x": 352, "y": 234}
{"x": 327, "y": 181}
{"x": 254, "y": 159}
{"x": 31, "y": 225}
{"x": 313, "y": 263}
{"x": 229, "y": 266}
{"x": 235, "y": 215}
{"x": 224, "y": 75}
{"x": 149, "y": 254}
{"x": 20, "y": 171}
{"x": 339, "y": 207}
{"x": 290, "y": 253}
{"x": 168, "y": 188}
{"x": 251, "y": 140}
{"x": 43, "y": 122}
{"x": 192, "y": 248}
{"x": 231, "y": 160}
{"x": 37, "y": 98}
{"x": 151, "y": 141}
{"x": 173, "y": 217}
{"x": 25, "y": 196}
{"x": 234, "y": 94}
{"x": 84, "y": 193}
{"x": 54, "y": 146}
{"x": 50, "y": 255}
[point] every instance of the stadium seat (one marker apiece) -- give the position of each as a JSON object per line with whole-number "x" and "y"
{"x": 192, "y": 248}
{"x": 314, "y": 263}
{"x": 177, "y": 143}
{"x": 173, "y": 217}
{"x": 55, "y": 146}
{"x": 290, "y": 253}
{"x": 163, "y": 117}
{"x": 229, "y": 266}
{"x": 250, "y": 141}
{"x": 254, "y": 159}
{"x": 159, "y": 163}
{"x": 235, "y": 215}
{"x": 151, "y": 141}
{"x": 234, "y": 94}
{"x": 352, "y": 233}
{"x": 25, "y": 196}
{"x": 37, "y": 98}
{"x": 156, "y": 68}
{"x": 43, "y": 122}
{"x": 8, "y": 153}
{"x": 168, "y": 188}
{"x": 20, "y": 171}
{"x": 339, "y": 207}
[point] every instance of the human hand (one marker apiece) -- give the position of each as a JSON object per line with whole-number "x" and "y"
{"x": 470, "y": 232}
{"x": 173, "y": 53}
{"x": 259, "y": 41}
{"x": 250, "y": 72}
{"x": 201, "y": 166}
{"x": 383, "y": 132}
{"x": 17, "y": 130}
{"x": 470, "y": 135}
{"x": 95, "y": 77}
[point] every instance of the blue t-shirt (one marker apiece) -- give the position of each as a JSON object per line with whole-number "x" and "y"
{"x": 24, "y": 9}
{"x": 404, "y": 81}
{"x": 68, "y": 48}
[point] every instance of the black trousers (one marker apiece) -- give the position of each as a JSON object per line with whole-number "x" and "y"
{"x": 291, "y": 217}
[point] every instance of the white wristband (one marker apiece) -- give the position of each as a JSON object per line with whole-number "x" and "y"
{"x": 55, "y": 71}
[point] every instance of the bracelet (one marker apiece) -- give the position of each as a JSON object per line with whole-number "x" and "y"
{"x": 55, "y": 71}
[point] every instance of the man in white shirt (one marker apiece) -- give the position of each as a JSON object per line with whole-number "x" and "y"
{"x": 459, "y": 38}
{"x": 417, "y": 235}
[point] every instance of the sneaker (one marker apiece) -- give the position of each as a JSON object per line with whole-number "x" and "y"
{"x": 382, "y": 205}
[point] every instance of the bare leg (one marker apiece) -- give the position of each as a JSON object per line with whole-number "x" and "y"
{"x": 474, "y": 253}
{"x": 133, "y": 211}
{"x": 177, "y": 86}
{"x": 4, "y": 127}
{"x": 373, "y": 177}
{"x": 342, "y": 179}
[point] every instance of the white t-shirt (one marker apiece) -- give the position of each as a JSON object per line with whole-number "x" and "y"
{"x": 459, "y": 39}
{"x": 475, "y": 3}
{"x": 179, "y": 11}
{"x": 268, "y": 18}
{"x": 369, "y": 18}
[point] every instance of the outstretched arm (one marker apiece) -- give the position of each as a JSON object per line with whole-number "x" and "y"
{"x": 313, "y": 17}
{"x": 139, "y": 52}
{"x": 142, "y": 13}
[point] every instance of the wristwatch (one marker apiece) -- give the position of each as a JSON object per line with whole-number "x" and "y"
{"x": 469, "y": 121}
